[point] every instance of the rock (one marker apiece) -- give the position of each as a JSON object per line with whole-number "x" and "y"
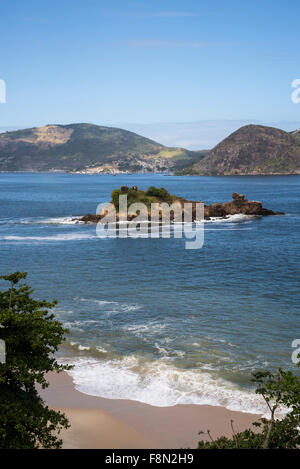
{"x": 239, "y": 205}
{"x": 214, "y": 210}
{"x": 89, "y": 218}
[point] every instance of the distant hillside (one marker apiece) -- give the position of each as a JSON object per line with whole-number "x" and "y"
{"x": 252, "y": 150}
{"x": 87, "y": 147}
{"x": 296, "y": 135}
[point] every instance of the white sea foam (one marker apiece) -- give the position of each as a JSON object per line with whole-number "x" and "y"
{"x": 238, "y": 218}
{"x": 82, "y": 347}
{"x": 148, "y": 328}
{"x": 161, "y": 384}
{"x": 85, "y": 348}
{"x": 73, "y": 325}
{"x": 101, "y": 350}
{"x": 113, "y": 306}
{"x": 70, "y": 220}
{"x": 61, "y": 237}
{"x": 78, "y": 324}
{"x": 75, "y": 220}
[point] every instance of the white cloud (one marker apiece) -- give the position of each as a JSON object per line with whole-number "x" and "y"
{"x": 200, "y": 135}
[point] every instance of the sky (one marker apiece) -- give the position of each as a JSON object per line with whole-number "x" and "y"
{"x": 123, "y": 62}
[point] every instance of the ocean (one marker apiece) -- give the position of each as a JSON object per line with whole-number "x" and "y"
{"x": 148, "y": 319}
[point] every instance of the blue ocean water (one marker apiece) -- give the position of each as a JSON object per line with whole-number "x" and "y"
{"x": 150, "y": 320}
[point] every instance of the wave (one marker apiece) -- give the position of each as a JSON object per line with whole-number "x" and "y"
{"x": 238, "y": 218}
{"x": 160, "y": 384}
{"x": 147, "y": 328}
{"x": 61, "y": 221}
{"x": 67, "y": 220}
{"x": 74, "y": 220}
{"x": 65, "y": 237}
{"x": 74, "y": 324}
{"x": 61, "y": 237}
{"x": 113, "y": 306}
{"x": 84, "y": 348}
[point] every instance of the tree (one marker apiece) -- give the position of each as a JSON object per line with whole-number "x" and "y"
{"x": 32, "y": 336}
{"x": 280, "y": 389}
{"x": 161, "y": 193}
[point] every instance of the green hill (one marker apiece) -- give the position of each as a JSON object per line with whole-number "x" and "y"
{"x": 87, "y": 147}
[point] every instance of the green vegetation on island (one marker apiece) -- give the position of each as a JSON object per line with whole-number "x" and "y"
{"x": 154, "y": 195}
{"x": 151, "y": 196}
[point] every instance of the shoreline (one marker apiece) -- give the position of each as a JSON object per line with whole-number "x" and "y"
{"x": 71, "y": 173}
{"x": 98, "y": 422}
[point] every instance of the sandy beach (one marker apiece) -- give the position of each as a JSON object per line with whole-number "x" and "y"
{"x": 122, "y": 424}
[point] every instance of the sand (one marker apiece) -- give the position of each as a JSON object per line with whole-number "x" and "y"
{"x": 123, "y": 424}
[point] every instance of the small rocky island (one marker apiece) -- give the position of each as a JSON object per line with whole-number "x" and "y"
{"x": 238, "y": 205}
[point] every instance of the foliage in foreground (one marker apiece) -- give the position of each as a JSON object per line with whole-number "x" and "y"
{"x": 280, "y": 389}
{"x": 31, "y": 336}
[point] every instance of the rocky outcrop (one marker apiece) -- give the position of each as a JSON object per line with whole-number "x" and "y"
{"x": 89, "y": 218}
{"x": 238, "y": 205}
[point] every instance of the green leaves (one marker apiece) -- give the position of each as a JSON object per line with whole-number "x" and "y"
{"x": 32, "y": 336}
{"x": 161, "y": 193}
{"x": 279, "y": 389}
{"x": 15, "y": 277}
{"x": 282, "y": 388}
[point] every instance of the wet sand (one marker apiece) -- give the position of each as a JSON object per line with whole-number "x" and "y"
{"x": 119, "y": 423}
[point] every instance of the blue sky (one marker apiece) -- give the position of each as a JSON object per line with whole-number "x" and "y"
{"x": 145, "y": 62}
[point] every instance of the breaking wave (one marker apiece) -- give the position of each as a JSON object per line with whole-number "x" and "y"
{"x": 238, "y": 218}
{"x": 160, "y": 384}
{"x": 59, "y": 237}
{"x": 113, "y": 306}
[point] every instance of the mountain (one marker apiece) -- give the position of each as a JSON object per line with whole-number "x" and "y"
{"x": 296, "y": 135}
{"x": 252, "y": 150}
{"x": 87, "y": 147}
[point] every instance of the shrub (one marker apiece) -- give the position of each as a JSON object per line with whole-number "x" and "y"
{"x": 115, "y": 197}
{"x": 161, "y": 193}
{"x": 282, "y": 388}
{"x": 32, "y": 336}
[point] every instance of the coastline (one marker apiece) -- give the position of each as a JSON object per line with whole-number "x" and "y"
{"x": 83, "y": 173}
{"x": 97, "y": 422}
